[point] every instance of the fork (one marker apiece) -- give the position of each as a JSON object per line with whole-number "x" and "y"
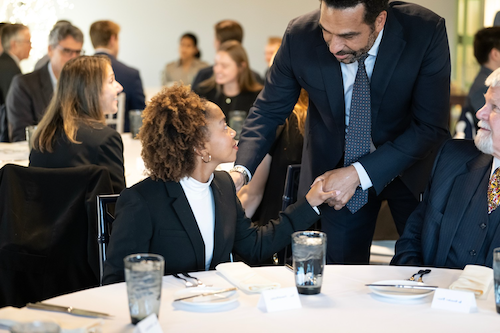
{"x": 421, "y": 272}
{"x": 189, "y": 284}
{"x": 200, "y": 284}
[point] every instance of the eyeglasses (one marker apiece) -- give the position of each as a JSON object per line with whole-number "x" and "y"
{"x": 24, "y": 41}
{"x": 70, "y": 52}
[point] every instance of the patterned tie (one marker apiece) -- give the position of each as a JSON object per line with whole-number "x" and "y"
{"x": 357, "y": 141}
{"x": 493, "y": 191}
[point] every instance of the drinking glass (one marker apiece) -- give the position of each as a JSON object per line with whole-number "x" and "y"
{"x": 35, "y": 327}
{"x": 496, "y": 275}
{"x": 29, "y": 134}
{"x": 135, "y": 121}
{"x": 143, "y": 276}
{"x": 309, "y": 258}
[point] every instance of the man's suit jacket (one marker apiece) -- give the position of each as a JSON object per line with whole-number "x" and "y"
{"x": 431, "y": 229}
{"x": 409, "y": 99}
{"x": 155, "y": 217}
{"x": 8, "y": 69}
{"x": 130, "y": 79}
{"x": 99, "y": 145}
{"x": 207, "y": 72}
{"x": 27, "y": 101}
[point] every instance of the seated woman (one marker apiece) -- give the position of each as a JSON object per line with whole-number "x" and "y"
{"x": 186, "y": 211}
{"x": 188, "y": 65}
{"x": 233, "y": 86}
{"x": 73, "y": 131}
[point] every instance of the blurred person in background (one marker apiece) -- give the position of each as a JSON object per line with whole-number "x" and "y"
{"x": 30, "y": 94}
{"x": 45, "y": 59}
{"x": 188, "y": 65}
{"x": 272, "y": 46}
{"x": 73, "y": 131}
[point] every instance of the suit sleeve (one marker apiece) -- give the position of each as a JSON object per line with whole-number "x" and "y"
{"x": 132, "y": 231}
{"x": 111, "y": 156}
{"x": 430, "y": 114}
{"x": 137, "y": 98}
{"x": 19, "y": 110}
{"x": 273, "y": 105}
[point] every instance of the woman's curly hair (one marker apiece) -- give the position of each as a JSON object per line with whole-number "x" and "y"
{"x": 174, "y": 125}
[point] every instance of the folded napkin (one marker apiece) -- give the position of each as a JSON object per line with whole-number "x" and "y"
{"x": 10, "y": 316}
{"x": 474, "y": 278}
{"x": 245, "y": 278}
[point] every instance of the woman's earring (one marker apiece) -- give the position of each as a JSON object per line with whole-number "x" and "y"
{"x": 209, "y": 158}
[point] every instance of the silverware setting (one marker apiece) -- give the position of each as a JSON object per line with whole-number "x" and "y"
{"x": 210, "y": 293}
{"x": 422, "y": 272}
{"x": 188, "y": 283}
{"x": 67, "y": 309}
{"x": 405, "y": 286}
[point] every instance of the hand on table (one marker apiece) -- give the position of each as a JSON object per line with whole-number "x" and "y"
{"x": 344, "y": 180}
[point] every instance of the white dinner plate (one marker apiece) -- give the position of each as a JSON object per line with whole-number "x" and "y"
{"x": 394, "y": 292}
{"x": 206, "y": 301}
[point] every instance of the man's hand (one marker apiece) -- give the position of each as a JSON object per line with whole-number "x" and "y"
{"x": 345, "y": 180}
{"x": 317, "y": 194}
{"x": 238, "y": 180}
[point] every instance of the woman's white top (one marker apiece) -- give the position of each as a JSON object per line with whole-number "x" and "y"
{"x": 201, "y": 200}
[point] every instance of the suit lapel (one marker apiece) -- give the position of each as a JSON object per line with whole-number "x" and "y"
{"x": 221, "y": 235}
{"x": 390, "y": 50}
{"x": 464, "y": 188}
{"x": 332, "y": 78}
{"x": 186, "y": 218}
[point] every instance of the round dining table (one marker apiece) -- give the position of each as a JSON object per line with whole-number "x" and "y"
{"x": 345, "y": 304}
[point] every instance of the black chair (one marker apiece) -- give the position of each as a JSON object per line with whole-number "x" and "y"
{"x": 48, "y": 231}
{"x": 105, "y": 217}
{"x": 289, "y": 197}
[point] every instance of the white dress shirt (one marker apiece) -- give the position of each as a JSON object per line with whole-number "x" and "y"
{"x": 201, "y": 200}
{"x": 496, "y": 164}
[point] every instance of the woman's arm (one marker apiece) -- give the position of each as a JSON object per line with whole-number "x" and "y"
{"x": 251, "y": 194}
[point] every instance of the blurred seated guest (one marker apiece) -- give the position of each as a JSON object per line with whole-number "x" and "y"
{"x": 186, "y": 211}
{"x": 188, "y": 65}
{"x": 458, "y": 222}
{"x": 45, "y": 59}
{"x": 272, "y": 46}
{"x": 30, "y": 94}
{"x": 232, "y": 87}
{"x": 262, "y": 197}
{"x": 487, "y": 53}
{"x": 224, "y": 30}
{"x": 1, "y": 26}
{"x": 104, "y": 37}
{"x": 73, "y": 131}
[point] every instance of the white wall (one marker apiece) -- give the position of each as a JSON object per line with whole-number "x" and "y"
{"x": 151, "y": 28}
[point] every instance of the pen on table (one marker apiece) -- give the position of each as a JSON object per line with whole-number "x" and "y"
{"x": 289, "y": 267}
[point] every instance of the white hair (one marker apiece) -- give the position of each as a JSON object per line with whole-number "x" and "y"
{"x": 494, "y": 79}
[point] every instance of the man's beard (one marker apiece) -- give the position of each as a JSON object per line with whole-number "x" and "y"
{"x": 483, "y": 139}
{"x": 356, "y": 55}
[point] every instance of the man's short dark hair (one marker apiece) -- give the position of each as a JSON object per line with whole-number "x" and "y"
{"x": 372, "y": 7}
{"x": 228, "y": 30}
{"x": 102, "y": 31}
{"x": 486, "y": 40}
{"x": 61, "y": 31}
{"x": 9, "y": 32}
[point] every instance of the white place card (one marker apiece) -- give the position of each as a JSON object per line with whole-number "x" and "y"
{"x": 150, "y": 324}
{"x": 454, "y": 300}
{"x": 279, "y": 299}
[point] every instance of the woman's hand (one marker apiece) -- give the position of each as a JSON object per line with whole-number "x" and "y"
{"x": 316, "y": 196}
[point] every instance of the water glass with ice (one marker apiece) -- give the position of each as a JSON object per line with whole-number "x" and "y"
{"x": 309, "y": 258}
{"x": 143, "y": 276}
{"x": 496, "y": 275}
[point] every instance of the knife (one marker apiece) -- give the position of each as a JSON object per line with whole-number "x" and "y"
{"x": 406, "y": 286}
{"x": 67, "y": 309}
{"x": 210, "y": 293}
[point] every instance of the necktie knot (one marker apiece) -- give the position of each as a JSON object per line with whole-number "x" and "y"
{"x": 361, "y": 62}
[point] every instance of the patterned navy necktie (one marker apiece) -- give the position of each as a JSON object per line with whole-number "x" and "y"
{"x": 358, "y": 136}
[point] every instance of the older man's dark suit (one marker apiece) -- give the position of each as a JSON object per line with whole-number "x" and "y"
{"x": 457, "y": 191}
{"x": 409, "y": 113}
{"x": 8, "y": 69}
{"x": 130, "y": 79}
{"x": 27, "y": 101}
{"x": 155, "y": 217}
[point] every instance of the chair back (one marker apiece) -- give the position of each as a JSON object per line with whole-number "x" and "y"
{"x": 105, "y": 218}
{"x": 48, "y": 231}
{"x": 291, "y": 185}
{"x": 118, "y": 119}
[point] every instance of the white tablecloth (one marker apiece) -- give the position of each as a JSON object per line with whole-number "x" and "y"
{"x": 344, "y": 305}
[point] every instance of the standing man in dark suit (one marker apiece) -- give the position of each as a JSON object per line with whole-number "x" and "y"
{"x": 458, "y": 222}
{"x": 378, "y": 78}
{"x": 16, "y": 44}
{"x": 224, "y": 30}
{"x": 104, "y": 37}
{"x": 30, "y": 94}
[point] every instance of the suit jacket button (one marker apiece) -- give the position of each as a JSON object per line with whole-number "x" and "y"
{"x": 482, "y": 225}
{"x": 472, "y": 253}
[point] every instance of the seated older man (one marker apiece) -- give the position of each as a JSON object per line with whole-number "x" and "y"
{"x": 458, "y": 221}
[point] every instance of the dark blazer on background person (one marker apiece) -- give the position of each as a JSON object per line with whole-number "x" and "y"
{"x": 8, "y": 69}
{"x": 29, "y": 96}
{"x": 207, "y": 72}
{"x": 130, "y": 79}
{"x": 100, "y": 145}
{"x": 451, "y": 227}
{"x": 155, "y": 217}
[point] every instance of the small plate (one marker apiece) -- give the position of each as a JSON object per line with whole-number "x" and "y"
{"x": 206, "y": 301}
{"x": 394, "y": 292}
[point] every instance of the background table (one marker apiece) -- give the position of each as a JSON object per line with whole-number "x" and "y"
{"x": 344, "y": 305}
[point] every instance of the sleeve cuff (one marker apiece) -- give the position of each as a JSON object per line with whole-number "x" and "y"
{"x": 364, "y": 179}
{"x": 248, "y": 172}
